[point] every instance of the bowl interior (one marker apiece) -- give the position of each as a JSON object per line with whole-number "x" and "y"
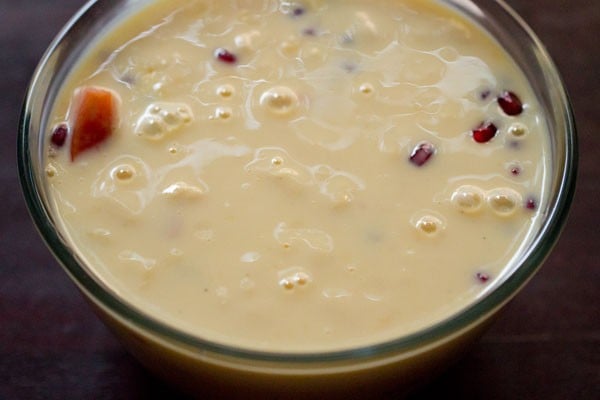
{"x": 96, "y": 18}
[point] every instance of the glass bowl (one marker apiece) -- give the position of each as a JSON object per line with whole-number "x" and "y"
{"x": 199, "y": 366}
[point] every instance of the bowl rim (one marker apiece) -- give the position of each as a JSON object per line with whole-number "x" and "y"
{"x": 530, "y": 261}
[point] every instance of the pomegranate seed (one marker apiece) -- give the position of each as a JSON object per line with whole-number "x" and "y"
{"x": 482, "y": 277}
{"x": 515, "y": 170}
{"x": 422, "y": 153}
{"x": 485, "y": 94}
{"x": 298, "y": 11}
{"x": 484, "y": 132}
{"x": 225, "y": 55}
{"x": 531, "y": 204}
{"x": 510, "y": 103}
{"x": 59, "y": 135}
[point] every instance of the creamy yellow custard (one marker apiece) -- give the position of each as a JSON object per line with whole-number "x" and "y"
{"x": 302, "y": 176}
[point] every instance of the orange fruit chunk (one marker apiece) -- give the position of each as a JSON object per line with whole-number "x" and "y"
{"x": 95, "y": 116}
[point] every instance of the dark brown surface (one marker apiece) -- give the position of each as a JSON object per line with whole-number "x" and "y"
{"x": 545, "y": 345}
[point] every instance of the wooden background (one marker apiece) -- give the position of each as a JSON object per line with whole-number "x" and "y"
{"x": 545, "y": 345}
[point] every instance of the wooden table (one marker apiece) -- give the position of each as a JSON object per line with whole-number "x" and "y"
{"x": 546, "y": 345}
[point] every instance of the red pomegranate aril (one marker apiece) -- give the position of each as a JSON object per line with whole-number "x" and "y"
{"x": 515, "y": 170}
{"x": 482, "y": 277}
{"x": 484, "y": 132}
{"x": 59, "y": 135}
{"x": 510, "y": 103}
{"x": 531, "y": 204}
{"x": 298, "y": 11}
{"x": 225, "y": 56}
{"x": 422, "y": 153}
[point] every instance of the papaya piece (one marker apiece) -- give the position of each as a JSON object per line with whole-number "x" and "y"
{"x": 94, "y": 118}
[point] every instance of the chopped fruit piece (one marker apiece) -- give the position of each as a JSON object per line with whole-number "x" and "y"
{"x": 59, "y": 135}
{"x": 422, "y": 153}
{"x": 482, "y": 277}
{"x": 484, "y": 132}
{"x": 510, "y": 103}
{"x": 95, "y": 117}
{"x": 225, "y": 56}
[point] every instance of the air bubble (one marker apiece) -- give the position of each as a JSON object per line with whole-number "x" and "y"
{"x": 518, "y": 131}
{"x": 429, "y": 225}
{"x": 277, "y": 161}
{"x": 225, "y": 91}
{"x": 504, "y": 201}
{"x": 468, "y": 198}
{"x": 123, "y": 173}
{"x": 279, "y": 100}
{"x": 223, "y": 113}
{"x": 294, "y": 277}
{"x": 51, "y": 170}
{"x": 366, "y": 89}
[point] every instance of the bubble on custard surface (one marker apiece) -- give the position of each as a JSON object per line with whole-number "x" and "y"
{"x": 123, "y": 173}
{"x": 504, "y": 201}
{"x": 294, "y": 277}
{"x": 277, "y": 161}
{"x": 366, "y": 89}
{"x": 226, "y": 91}
{"x": 518, "y": 131}
{"x": 428, "y": 223}
{"x": 222, "y": 113}
{"x": 468, "y": 198}
{"x": 162, "y": 118}
{"x": 51, "y": 171}
{"x": 125, "y": 182}
{"x": 280, "y": 100}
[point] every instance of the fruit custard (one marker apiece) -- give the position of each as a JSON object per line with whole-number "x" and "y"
{"x": 298, "y": 176}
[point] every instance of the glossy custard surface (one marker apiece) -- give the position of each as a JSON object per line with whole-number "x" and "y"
{"x": 298, "y": 176}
